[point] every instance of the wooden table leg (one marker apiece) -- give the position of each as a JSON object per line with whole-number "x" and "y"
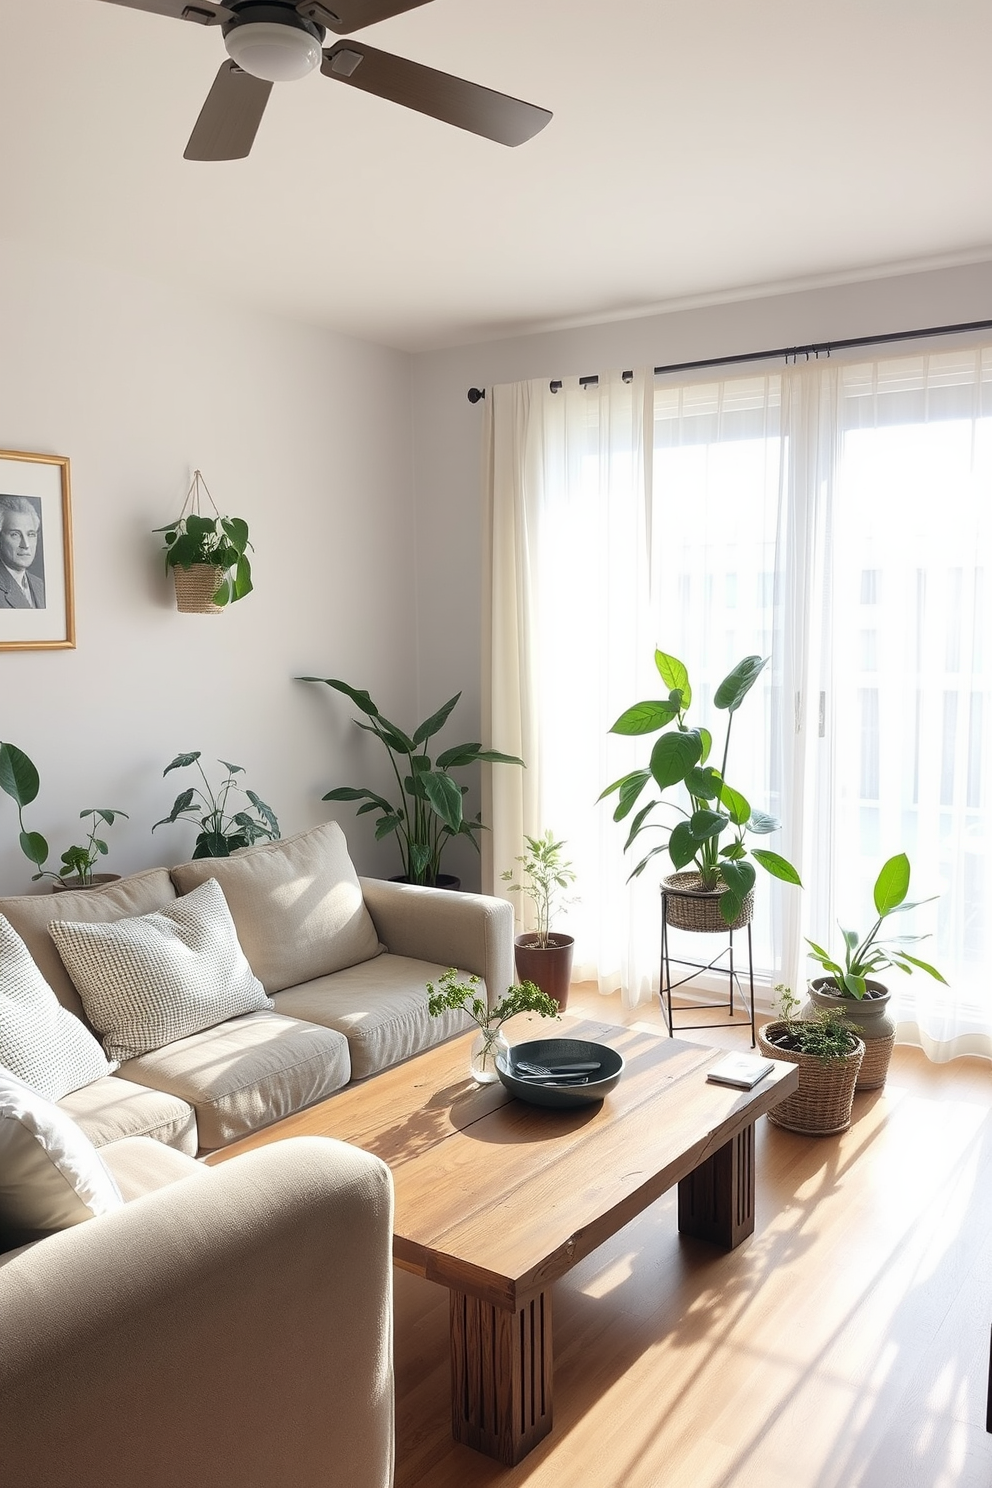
{"x": 716, "y": 1200}
{"x": 501, "y": 1366}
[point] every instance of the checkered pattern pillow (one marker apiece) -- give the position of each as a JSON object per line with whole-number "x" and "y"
{"x": 41, "y": 1042}
{"x": 155, "y": 978}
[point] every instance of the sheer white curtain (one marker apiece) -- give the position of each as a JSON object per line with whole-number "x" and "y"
{"x": 834, "y": 518}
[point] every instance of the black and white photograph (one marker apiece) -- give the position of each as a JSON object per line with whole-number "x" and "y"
{"x": 36, "y": 601}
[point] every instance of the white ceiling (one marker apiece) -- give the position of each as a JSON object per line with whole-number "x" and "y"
{"x": 700, "y": 149}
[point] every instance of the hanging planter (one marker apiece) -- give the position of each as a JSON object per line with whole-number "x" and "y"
{"x": 207, "y": 555}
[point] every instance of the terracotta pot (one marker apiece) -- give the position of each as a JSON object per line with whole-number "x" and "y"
{"x": 68, "y": 885}
{"x": 871, "y": 1021}
{"x": 691, "y": 907}
{"x": 548, "y": 967}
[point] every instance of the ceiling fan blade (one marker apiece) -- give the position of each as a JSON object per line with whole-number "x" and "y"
{"x": 469, "y": 106}
{"x": 203, "y": 12}
{"x": 230, "y": 117}
{"x": 344, "y": 16}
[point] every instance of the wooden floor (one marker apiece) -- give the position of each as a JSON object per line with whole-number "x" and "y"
{"x": 845, "y": 1345}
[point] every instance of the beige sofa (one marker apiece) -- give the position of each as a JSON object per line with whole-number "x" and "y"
{"x": 344, "y": 961}
{"x": 230, "y": 1327}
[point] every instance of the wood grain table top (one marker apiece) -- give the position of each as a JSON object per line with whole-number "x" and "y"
{"x": 497, "y": 1198}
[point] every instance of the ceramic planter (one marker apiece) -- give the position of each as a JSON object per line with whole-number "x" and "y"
{"x": 870, "y": 1019}
{"x": 822, "y": 1104}
{"x": 548, "y": 967}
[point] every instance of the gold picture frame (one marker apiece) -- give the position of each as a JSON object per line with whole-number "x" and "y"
{"x": 37, "y": 608}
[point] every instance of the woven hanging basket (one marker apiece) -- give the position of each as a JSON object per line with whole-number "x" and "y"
{"x": 688, "y": 906}
{"x": 196, "y": 587}
{"x": 822, "y": 1104}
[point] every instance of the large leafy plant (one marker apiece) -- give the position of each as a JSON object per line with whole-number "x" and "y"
{"x": 222, "y": 831}
{"x": 710, "y": 809}
{"x": 867, "y": 957}
{"x": 428, "y": 811}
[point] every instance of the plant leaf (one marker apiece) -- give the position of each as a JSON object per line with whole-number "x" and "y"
{"x": 681, "y": 845}
{"x": 265, "y": 812}
{"x": 776, "y": 865}
{"x": 34, "y": 847}
{"x": 436, "y": 722}
{"x": 738, "y": 807}
{"x": 892, "y": 884}
{"x": 645, "y": 718}
{"x": 445, "y": 797}
{"x": 738, "y": 683}
{"x": 674, "y": 755}
{"x": 923, "y": 966}
{"x": 706, "y": 824}
{"x": 361, "y": 699}
{"x": 761, "y": 823}
{"x": 674, "y": 674}
{"x": 385, "y": 825}
{"x": 703, "y": 782}
{"x": 18, "y": 776}
{"x": 181, "y": 761}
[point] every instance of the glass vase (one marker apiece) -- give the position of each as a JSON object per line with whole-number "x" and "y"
{"x": 488, "y": 1042}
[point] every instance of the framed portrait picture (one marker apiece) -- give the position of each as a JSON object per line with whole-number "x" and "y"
{"x": 36, "y": 602}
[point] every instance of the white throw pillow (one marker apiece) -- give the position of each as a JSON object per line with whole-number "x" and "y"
{"x": 51, "y": 1175}
{"x": 151, "y": 979}
{"x": 41, "y": 1042}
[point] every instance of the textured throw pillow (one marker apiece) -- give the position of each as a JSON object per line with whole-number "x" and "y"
{"x": 155, "y": 978}
{"x": 41, "y": 1042}
{"x": 297, "y": 904}
{"x": 51, "y": 1175}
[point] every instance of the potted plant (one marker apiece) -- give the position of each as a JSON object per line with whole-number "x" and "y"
{"x": 427, "y": 813}
{"x": 19, "y": 779}
{"x": 78, "y": 862}
{"x": 544, "y": 956}
{"x": 718, "y": 891}
{"x": 221, "y": 832}
{"x": 451, "y": 995}
{"x": 851, "y": 982}
{"x": 828, "y": 1052}
{"x": 208, "y": 556}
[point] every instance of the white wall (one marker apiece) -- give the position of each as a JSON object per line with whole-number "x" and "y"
{"x": 304, "y": 434}
{"x": 447, "y": 429}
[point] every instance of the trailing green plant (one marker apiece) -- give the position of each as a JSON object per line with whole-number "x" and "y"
{"x": 712, "y": 806}
{"x": 78, "y": 862}
{"x": 222, "y": 832}
{"x": 219, "y": 541}
{"x": 867, "y": 957}
{"x": 19, "y": 779}
{"x": 547, "y": 874}
{"x": 428, "y": 812}
{"x": 825, "y": 1034}
{"x": 451, "y": 995}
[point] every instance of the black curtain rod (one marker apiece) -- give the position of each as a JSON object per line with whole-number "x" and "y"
{"x": 790, "y": 353}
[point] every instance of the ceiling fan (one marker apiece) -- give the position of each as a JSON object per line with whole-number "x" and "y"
{"x": 275, "y": 41}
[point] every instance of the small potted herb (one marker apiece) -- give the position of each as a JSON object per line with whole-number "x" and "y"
{"x": 828, "y": 1052}
{"x": 78, "y": 862}
{"x": 19, "y": 780}
{"x": 542, "y": 955}
{"x": 222, "y": 831}
{"x": 451, "y": 995}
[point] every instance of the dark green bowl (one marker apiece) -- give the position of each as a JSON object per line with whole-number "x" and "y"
{"x": 553, "y": 1052}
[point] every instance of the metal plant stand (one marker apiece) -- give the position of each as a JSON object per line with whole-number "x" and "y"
{"x": 726, "y": 956}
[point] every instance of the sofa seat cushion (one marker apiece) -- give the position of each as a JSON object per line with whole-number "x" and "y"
{"x": 297, "y": 905}
{"x": 41, "y": 1042}
{"x": 151, "y": 979}
{"x": 113, "y": 1108}
{"x": 246, "y": 1073}
{"x": 140, "y": 893}
{"x": 51, "y": 1175}
{"x": 139, "y": 1166}
{"x": 380, "y": 1007}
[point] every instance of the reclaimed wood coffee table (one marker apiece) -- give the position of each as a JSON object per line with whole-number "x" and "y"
{"x": 495, "y": 1199}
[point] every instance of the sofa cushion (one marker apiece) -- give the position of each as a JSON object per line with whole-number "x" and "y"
{"x": 380, "y": 1007}
{"x": 30, "y": 915}
{"x": 247, "y": 1073}
{"x": 297, "y": 905}
{"x": 139, "y": 1166}
{"x": 41, "y": 1042}
{"x": 114, "y": 1108}
{"x": 51, "y": 1176}
{"x": 155, "y": 978}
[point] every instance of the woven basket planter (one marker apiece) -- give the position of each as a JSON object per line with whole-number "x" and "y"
{"x": 196, "y": 587}
{"x": 691, "y": 907}
{"x": 822, "y": 1104}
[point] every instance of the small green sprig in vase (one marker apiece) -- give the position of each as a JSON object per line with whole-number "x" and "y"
{"x": 451, "y": 995}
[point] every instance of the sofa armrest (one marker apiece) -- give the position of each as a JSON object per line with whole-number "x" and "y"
{"x": 471, "y": 931}
{"x": 233, "y": 1329}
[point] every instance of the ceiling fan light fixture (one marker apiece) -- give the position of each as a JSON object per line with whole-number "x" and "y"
{"x": 272, "y": 50}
